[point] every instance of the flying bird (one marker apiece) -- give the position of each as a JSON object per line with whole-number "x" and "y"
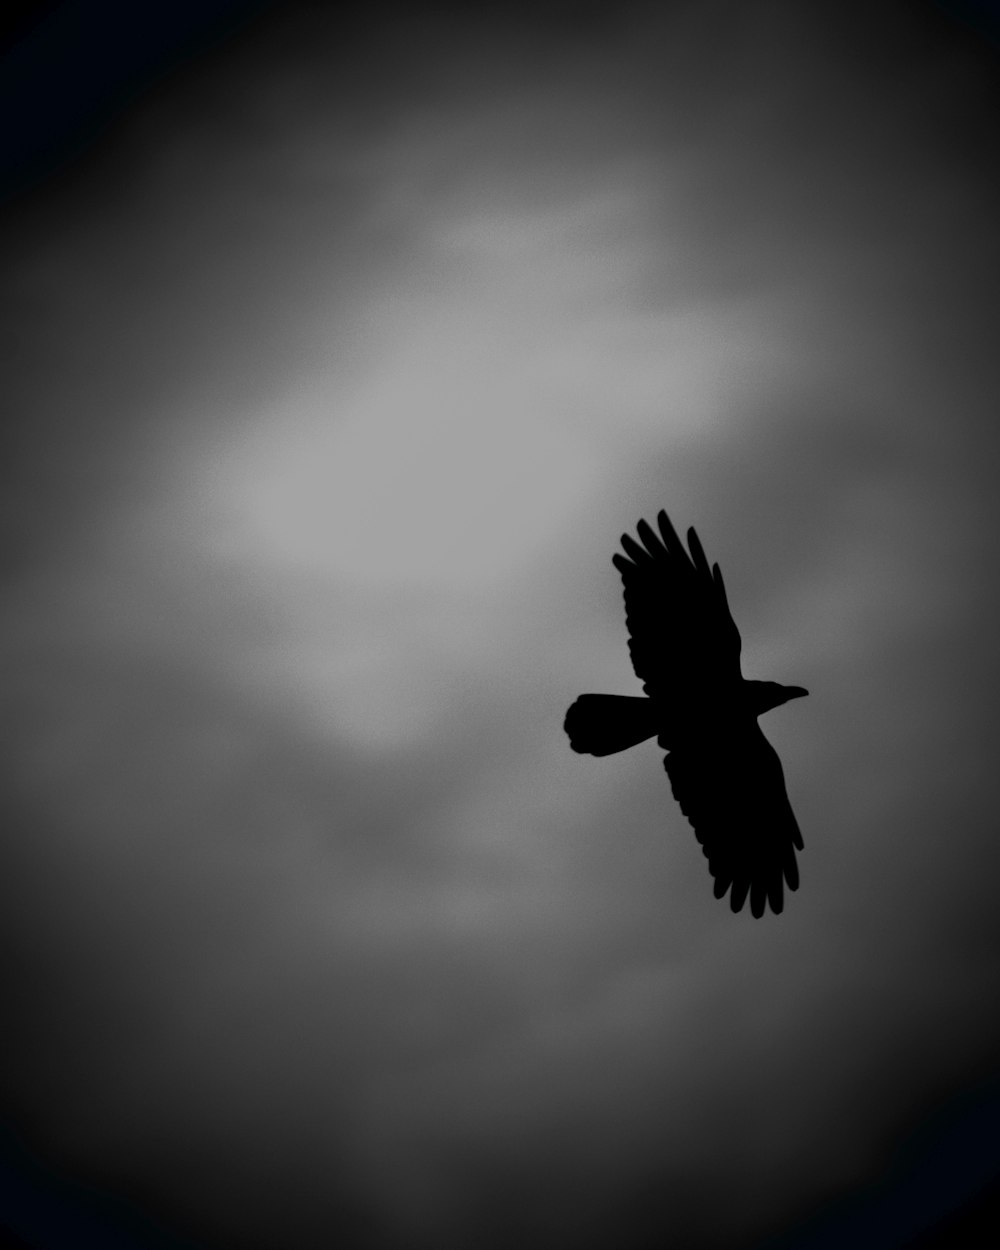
{"x": 723, "y": 772}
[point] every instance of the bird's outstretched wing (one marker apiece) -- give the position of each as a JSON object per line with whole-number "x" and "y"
{"x": 682, "y": 637}
{"x": 734, "y": 796}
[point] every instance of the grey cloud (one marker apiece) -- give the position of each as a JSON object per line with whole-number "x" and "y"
{"x": 283, "y": 977}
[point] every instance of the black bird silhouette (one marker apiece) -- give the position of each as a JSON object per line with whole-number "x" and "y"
{"x": 724, "y": 773}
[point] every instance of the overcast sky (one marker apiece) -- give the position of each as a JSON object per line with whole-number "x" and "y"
{"x": 341, "y": 350}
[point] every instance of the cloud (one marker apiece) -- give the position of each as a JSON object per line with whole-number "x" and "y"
{"x": 339, "y": 370}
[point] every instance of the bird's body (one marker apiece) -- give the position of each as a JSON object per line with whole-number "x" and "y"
{"x": 725, "y": 775}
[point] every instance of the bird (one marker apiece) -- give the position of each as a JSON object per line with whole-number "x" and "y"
{"x": 724, "y": 774}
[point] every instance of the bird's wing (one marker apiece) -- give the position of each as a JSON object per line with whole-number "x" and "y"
{"x": 733, "y": 793}
{"x": 682, "y": 636}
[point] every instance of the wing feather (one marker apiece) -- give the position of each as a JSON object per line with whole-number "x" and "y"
{"x": 698, "y": 553}
{"x": 682, "y": 636}
{"x": 733, "y": 794}
{"x": 649, "y": 540}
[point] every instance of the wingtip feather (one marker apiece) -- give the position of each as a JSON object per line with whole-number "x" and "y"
{"x": 739, "y": 895}
{"x": 697, "y": 551}
{"x": 632, "y": 548}
{"x": 670, "y": 540}
{"x": 649, "y": 540}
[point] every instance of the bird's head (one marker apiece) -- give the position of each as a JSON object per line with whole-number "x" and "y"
{"x": 764, "y": 695}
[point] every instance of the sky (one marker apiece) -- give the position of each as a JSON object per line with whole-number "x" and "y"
{"x": 341, "y": 347}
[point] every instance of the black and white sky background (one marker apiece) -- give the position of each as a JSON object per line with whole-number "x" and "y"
{"x": 340, "y": 348}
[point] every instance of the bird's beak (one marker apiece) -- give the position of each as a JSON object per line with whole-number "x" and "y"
{"x": 794, "y": 692}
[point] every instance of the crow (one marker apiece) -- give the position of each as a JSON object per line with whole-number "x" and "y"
{"x": 723, "y": 772}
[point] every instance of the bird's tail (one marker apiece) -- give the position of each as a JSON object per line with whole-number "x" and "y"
{"x": 601, "y": 724}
